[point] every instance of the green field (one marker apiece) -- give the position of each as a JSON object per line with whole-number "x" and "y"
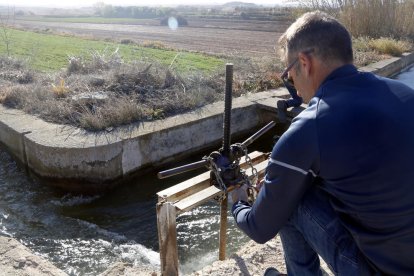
{"x": 48, "y": 52}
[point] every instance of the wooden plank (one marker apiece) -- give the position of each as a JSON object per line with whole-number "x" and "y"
{"x": 210, "y": 192}
{"x": 199, "y": 182}
{"x": 167, "y": 238}
{"x": 197, "y": 199}
{"x": 186, "y": 188}
{"x": 223, "y": 229}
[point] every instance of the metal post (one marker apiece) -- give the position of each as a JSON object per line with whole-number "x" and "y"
{"x": 167, "y": 238}
{"x": 227, "y": 110}
{"x": 223, "y": 229}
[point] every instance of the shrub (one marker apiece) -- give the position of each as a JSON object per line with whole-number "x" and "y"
{"x": 127, "y": 41}
{"x": 7, "y": 62}
{"x": 10, "y": 97}
{"x": 154, "y": 44}
{"x": 366, "y": 49}
{"x": 60, "y": 90}
{"x": 386, "y": 46}
{"x": 96, "y": 61}
{"x": 372, "y": 18}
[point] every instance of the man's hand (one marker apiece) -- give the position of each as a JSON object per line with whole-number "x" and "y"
{"x": 259, "y": 185}
{"x": 238, "y": 193}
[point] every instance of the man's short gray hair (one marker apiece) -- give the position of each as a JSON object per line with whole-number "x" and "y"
{"x": 321, "y": 32}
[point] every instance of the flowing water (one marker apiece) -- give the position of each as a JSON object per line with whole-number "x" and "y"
{"x": 84, "y": 235}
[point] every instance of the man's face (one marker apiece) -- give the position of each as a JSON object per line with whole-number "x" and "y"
{"x": 295, "y": 76}
{"x": 301, "y": 84}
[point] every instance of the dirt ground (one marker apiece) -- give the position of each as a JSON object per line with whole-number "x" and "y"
{"x": 251, "y": 260}
{"x": 247, "y": 38}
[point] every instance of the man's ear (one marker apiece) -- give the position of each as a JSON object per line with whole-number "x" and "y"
{"x": 305, "y": 64}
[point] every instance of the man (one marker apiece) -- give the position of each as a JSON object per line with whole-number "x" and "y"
{"x": 340, "y": 180}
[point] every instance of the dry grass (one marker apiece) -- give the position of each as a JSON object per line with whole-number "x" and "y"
{"x": 368, "y": 50}
{"x": 371, "y": 18}
{"x": 390, "y": 46}
{"x": 155, "y": 45}
{"x": 379, "y": 18}
{"x": 100, "y": 94}
{"x": 100, "y": 91}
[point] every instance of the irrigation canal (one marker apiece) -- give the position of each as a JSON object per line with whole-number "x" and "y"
{"x": 84, "y": 235}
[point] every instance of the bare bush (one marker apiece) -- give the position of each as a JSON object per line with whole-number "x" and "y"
{"x": 15, "y": 70}
{"x": 6, "y": 33}
{"x": 133, "y": 92}
{"x": 127, "y": 41}
{"x": 95, "y": 61}
{"x": 373, "y": 18}
{"x": 256, "y": 75}
{"x": 155, "y": 45}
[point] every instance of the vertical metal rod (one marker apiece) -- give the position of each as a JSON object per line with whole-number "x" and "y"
{"x": 223, "y": 229}
{"x": 167, "y": 238}
{"x": 227, "y": 110}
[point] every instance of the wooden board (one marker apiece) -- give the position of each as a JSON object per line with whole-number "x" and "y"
{"x": 196, "y": 199}
{"x": 200, "y": 182}
{"x": 211, "y": 192}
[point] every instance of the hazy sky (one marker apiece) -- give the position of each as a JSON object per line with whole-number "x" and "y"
{"x": 83, "y": 3}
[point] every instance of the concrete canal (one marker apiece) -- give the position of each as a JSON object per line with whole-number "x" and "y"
{"x": 84, "y": 235}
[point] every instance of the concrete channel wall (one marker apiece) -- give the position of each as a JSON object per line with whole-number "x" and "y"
{"x": 77, "y": 160}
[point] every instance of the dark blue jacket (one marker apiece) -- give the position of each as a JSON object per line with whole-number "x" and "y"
{"x": 356, "y": 138}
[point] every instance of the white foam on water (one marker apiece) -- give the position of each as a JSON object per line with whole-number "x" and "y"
{"x": 199, "y": 223}
{"x": 3, "y": 230}
{"x": 78, "y": 256}
{"x": 69, "y": 200}
{"x": 129, "y": 251}
{"x": 198, "y": 262}
{"x": 138, "y": 255}
{"x": 108, "y": 234}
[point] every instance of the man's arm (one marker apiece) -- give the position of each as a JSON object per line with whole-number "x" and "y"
{"x": 292, "y": 168}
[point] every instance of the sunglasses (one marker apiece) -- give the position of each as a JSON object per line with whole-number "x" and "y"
{"x": 286, "y": 79}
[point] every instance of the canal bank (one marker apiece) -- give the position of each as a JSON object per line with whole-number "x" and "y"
{"x": 81, "y": 161}
{"x": 95, "y": 236}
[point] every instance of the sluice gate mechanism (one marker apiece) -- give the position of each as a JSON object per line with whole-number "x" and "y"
{"x": 229, "y": 167}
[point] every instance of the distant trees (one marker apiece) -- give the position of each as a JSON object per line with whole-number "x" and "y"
{"x": 104, "y": 10}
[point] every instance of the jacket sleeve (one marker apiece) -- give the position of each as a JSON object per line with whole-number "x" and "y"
{"x": 292, "y": 168}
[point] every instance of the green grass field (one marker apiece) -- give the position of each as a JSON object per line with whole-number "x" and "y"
{"x": 48, "y": 52}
